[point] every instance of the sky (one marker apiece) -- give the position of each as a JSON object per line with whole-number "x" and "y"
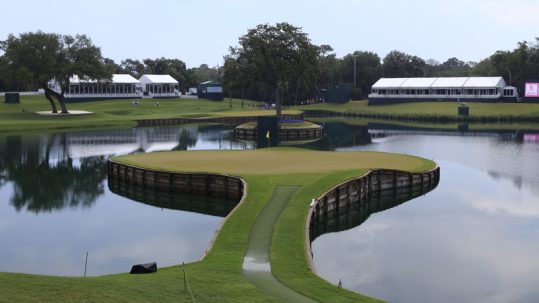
{"x": 202, "y": 31}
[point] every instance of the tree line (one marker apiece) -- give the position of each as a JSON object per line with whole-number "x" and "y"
{"x": 270, "y": 63}
{"x": 187, "y": 77}
{"x": 262, "y": 67}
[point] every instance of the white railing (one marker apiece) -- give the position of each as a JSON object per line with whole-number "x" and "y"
{"x": 174, "y": 94}
{"x": 117, "y": 95}
{"x": 25, "y": 93}
{"x": 435, "y": 96}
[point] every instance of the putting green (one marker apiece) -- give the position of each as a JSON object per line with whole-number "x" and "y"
{"x": 274, "y": 161}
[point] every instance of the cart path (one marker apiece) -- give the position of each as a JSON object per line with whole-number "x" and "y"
{"x": 256, "y": 264}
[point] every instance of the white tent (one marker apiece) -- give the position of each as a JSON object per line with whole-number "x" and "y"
{"x": 160, "y": 86}
{"x": 388, "y": 90}
{"x": 121, "y": 86}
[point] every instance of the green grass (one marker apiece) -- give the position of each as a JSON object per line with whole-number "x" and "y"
{"x": 434, "y": 126}
{"x": 116, "y": 113}
{"x": 431, "y": 109}
{"x": 218, "y": 277}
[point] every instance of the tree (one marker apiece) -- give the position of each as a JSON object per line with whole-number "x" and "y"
{"x": 3, "y": 74}
{"x": 176, "y": 68}
{"x": 399, "y": 64}
{"x": 515, "y": 66}
{"x": 133, "y": 67}
{"x": 205, "y": 73}
{"x": 36, "y": 58}
{"x": 453, "y": 67}
{"x": 368, "y": 70}
{"x": 232, "y": 77}
{"x": 330, "y": 67}
{"x": 277, "y": 56}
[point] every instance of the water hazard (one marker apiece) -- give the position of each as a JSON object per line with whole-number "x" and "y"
{"x": 56, "y": 204}
{"x": 473, "y": 238}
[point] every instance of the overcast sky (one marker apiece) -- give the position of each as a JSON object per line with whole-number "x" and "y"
{"x": 201, "y": 31}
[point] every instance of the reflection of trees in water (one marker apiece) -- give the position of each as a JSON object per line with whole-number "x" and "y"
{"x": 202, "y": 204}
{"x": 339, "y": 134}
{"x": 45, "y": 178}
{"x": 188, "y": 138}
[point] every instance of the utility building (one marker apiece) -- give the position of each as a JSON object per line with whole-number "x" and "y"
{"x": 479, "y": 89}
{"x": 210, "y": 90}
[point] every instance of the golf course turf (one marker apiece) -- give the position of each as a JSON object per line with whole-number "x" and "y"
{"x": 432, "y": 111}
{"x": 219, "y": 277}
{"x": 118, "y": 113}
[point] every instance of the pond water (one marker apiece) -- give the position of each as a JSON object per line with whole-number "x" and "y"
{"x": 56, "y": 205}
{"x": 473, "y": 238}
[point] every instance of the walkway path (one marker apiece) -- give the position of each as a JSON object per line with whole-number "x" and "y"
{"x": 256, "y": 264}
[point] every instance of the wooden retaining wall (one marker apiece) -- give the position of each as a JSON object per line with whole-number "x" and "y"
{"x": 192, "y": 183}
{"x": 223, "y": 120}
{"x": 251, "y": 134}
{"x": 357, "y": 191}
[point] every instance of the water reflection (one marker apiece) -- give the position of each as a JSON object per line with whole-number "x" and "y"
{"x": 473, "y": 239}
{"x": 44, "y": 176}
{"x": 207, "y": 205}
{"x": 58, "y": 205}
{"x": 49, "y": 172}
{"x": 358, "y": 212}
{"x": 340, "y": 134}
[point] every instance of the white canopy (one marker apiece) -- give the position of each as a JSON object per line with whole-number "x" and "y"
{"x": 418, "y": 82}
{"x": 484, "y": 82}
{"x": 453, "y": 82}
{"x": 116, "y": 78}
{"x": 389, "y": 82}
{"x": 163, "y": 79}
{"x": 441, "y": 82}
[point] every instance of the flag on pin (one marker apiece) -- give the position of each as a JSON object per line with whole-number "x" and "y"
{"x": 267, "y": 135}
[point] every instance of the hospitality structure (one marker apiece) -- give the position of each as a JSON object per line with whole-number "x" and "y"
{"x": 160, "y": 86}
{"x": 475, "y": 89}
{"x": 121, "y": 86}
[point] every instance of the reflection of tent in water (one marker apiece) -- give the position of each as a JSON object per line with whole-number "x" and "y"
{"x": 131, "y": 140}
{"x": 202, "y": 204}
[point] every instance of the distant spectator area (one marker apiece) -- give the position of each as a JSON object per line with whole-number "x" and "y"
{"x": 121, "y": 86}
{"x": 160, "y": 86}
{"x": 479, "y": 89}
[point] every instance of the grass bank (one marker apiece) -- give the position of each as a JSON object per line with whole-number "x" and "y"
{"x": 218, "y": 277}
{"x": 494, "y": 127}
{"x": 117, "y": 113}
{"x": 432, "y": 111}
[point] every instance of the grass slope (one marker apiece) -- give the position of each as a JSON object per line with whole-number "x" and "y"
{"x": 219, "y": 278}
{"x": 431, "y": 109}
{"x": 116, "y": 113}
